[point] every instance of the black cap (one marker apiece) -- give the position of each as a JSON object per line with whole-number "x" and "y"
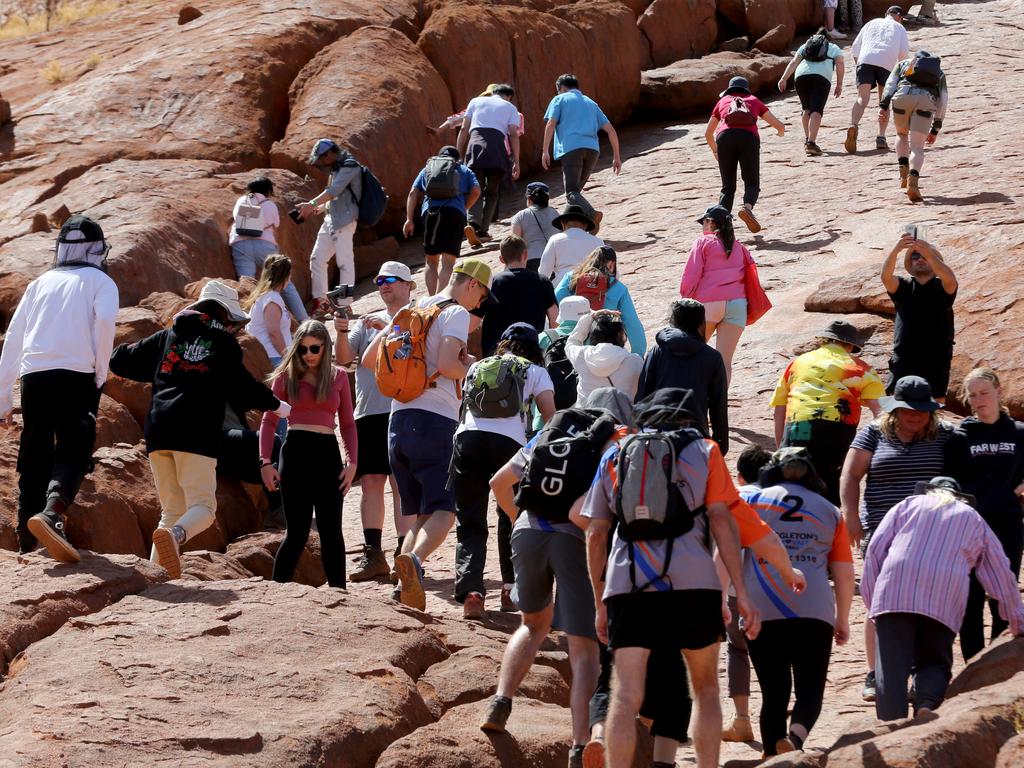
{"x": 913, "y": 392}
{"x": 840, "y": 330}
{"x": 943, "y": 483}
{"x": 895, "y": 9}
{"x": 774, "y": 472}
{"x": 666, "y": 408}
{"x": 717, "y": 213}
{"x": 450, "y": 151}
{"x": 521, "y": 332}
{"x": 80, "y": 229}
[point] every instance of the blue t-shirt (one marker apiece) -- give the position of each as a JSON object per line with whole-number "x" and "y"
{"x": 578, "y": 120}
{"x": 467, "y": 180}
{"x": 824, "y": 68}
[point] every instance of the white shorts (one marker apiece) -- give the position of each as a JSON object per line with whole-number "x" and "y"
{"x": 830, "y": 3}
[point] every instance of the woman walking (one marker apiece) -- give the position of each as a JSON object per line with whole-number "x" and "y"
{"x": 713, "y": 275}
{"x": 814, "y": 63}
{"x": 312, "y": 476}
{"x": 270, "y": 322}
{"x": 986, "y": 456}
{"x": 534, "y": 223}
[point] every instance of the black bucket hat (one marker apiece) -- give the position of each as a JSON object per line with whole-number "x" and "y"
{"x": 840, "y": 330}
{"x": 736, "y": 85}
{"x": 943, "y": 483}
{"x": 717, "y": 213}
{"x": 666, "y": 408}
{"x": 911, "y": 392}
{"x": 573, "y": 213}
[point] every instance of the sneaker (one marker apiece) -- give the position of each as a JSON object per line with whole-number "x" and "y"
{"x": 471, "y": 236}
{"x": 410, "y": 582}
{"x": 473, "y": 607}
{"x": 50, "y": 531}
{"x": 835, "y": 34}
{"x": 497, "y": 714}
{"x": 881, "y": 143}
{"x": 396, "y": 593}
{"x": 747, "y": 217}
{"x": 869, "y": 687}
{"x": 593, "y": 754}
{"x": 813, "y": 149}
{"x": 484, "y": 237}
{"x": 508, "y": 605}
{"x": 168, "y": 555}
{"x": 739, "y": 730}
{"x": 850, "y": 145}
{"x": 576, "y": 756}
{"x": 597, "y": 217}
{"x": 373, "y": 564}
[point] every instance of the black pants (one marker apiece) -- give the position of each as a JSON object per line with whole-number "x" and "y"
{"x": 476, "y": 457}
{"x": 58, "y": 408}
{"x": 482, "y": 213}
{"x": 790, "y": 655}
{"x": 911, "y": 644}
{"x": 972, "y": 630}
{"x": 739, "y": 147}
{"x": 827, "y": 442}
{"x": 310, "y": 467}
{"x": 239, "y": 458}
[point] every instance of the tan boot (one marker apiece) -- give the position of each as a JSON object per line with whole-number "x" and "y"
{"x": 913, "y": 191}
{"x": 373, "y": 564}
{"x": 904, "y": 173}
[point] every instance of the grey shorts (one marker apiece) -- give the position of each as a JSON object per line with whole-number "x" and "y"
{"x": 542, "y": 558}
{"x": 913, "y": 112}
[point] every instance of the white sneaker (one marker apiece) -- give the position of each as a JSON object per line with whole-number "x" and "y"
{"x": 835, "y": 34}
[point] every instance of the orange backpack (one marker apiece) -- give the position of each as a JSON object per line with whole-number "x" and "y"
{"x": 401, "y": 368}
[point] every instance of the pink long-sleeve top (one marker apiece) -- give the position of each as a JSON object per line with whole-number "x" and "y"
{"x": 709, "y": 275}
{"x": 307, "y": 410}
{"x": 921, "y": 556}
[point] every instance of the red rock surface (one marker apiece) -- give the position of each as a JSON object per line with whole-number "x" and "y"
{"x": 695, "y": 85}
{"x": 679, "y": 29}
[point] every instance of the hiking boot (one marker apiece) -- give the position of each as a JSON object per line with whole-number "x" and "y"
{"x": 508, "y": 605}
{"x": 593, "y": 754}
{"x": 576, "y": 756}
{"x": 471, "y": 236}
{"x": 784, "y": 745}
{"x": 747, "y": 217}
{"x": 739, "y": 730}
{"x": 869, "y": 691}
{"x": 881, "y": 143}
{"x": 473, "y": 607}
{"x": 484, "y": 237}
{"x": 913, "y": 190}
{"x": 850, "y": 145}
{"x": 50, "y": 531}
{"x": 373, "y": 564}
{"x": 498, "y": 710}
{"x": 410, "y": 582}
{"x": 167, "y": 544}
{"x": 598, "y": 215}
{"x": 904, "y": 173}
{"x": 812, "y": 149}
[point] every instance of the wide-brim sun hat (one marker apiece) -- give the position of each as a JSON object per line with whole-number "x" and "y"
{"x": 912, "y": 392}
{"x": 736, "y": 85}
{"x": 572, "y": 308}
{"x": 840, "y": 330}
{"x": 943, "y": 483}
{"x": 573, "y": 213}
{"x": 224, "y": 295}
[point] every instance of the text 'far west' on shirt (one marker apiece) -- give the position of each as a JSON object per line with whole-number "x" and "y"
{"x": 578, "y": 119}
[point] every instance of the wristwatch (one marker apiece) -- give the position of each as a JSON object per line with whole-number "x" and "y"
{"x": 265, "y": 463}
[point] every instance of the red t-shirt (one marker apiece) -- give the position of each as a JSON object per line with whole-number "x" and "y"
{"x": 754, "y": 104}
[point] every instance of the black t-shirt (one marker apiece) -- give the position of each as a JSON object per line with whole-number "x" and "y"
{"x": 523, "y": 297}
{"x": 924, "y": 322}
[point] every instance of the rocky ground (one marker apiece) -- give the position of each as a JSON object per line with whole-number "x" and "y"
{"x": 104, "y": 664}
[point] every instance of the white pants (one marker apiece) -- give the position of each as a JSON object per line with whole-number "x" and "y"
{"x": 339, "y": 243}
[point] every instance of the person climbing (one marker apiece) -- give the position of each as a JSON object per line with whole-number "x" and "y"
{"x": 270, "y": 321}
{"x": 536, "y": 223}
{"x": 814, "y": 64}
{"x": 734, "y": 140}
{"x": 596, "y": 349}
{"x": 878, "y": 47}
{"x": 520, "y": 296}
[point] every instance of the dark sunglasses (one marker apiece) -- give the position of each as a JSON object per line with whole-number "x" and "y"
{"x": 312, "y": 349}
{"x": 386, "y": 280}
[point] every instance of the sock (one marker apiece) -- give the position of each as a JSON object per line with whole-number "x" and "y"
{"x": 419, "y": 565}
{"x": 372, "y": 536}
{"x": 507, "y": 586}
{"x": 179, "y": 534}
{"x": 196, "y": 520}
{"x": 904, "y": 161}
{"x": 914, "y": 173}
{"x": 795, "y": 740}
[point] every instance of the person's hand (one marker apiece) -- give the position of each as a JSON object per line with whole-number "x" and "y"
{"x": 797, "y": 582}
{"x": 601, "y": 622}
{"x": 271, "y": 478}
{"x": 348, "y": 474}
{"x": 431, "y": 130}
{"x": 749, "y": 615}
{"x": 854, "y": 529}
{"x": 1019, "y": 490}
{"x": 515, "y": 171}
{"x": 726, "y": 613}
{"x": 781, "y": 130}
{"x": 340, "y": 322}
{"x": 616, "y": 165}
{"x": 306, "y": 210}
{"x": 545, "y": 160}
{"x": 375, "y": 323}
{"x": 782, "y": 85}
{"x": 466, "y": 358}
{"x": 842, "y": 631}
{"x": 931, "y": 138}
{"x": 839, "y": 89}
{"x": 882, "y": 112}
{"x": 906, "y": 241}
{"x": 408, "y": 228}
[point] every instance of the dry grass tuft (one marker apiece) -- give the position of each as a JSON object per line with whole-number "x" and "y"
{"x": 65, "y": 13}
{"x": 53, "y": 73}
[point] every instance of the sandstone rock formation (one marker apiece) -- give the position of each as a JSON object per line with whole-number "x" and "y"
{"x": 694, "y": 85}
{"x": 679, "y": 29}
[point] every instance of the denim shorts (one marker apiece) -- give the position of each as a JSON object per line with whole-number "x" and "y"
{"x": 420, "y": 445}
{"x": 733, "y": 311}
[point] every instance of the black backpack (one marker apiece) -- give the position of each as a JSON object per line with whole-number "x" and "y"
{"x": 565, "y": 459}
{"x": 562, "y": 374}
{"x": 925, "y": 71}
{"x": 441, "y": 178}
{"x": 374, "y": 200}
{"x": 816, "y": 48}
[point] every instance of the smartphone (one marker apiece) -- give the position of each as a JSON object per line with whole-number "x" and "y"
{"x": 295, "y": 216}
{"x": 916, "y": 231}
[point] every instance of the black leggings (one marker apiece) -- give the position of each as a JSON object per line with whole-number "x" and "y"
{"x": 310, "y": 467}
{"x": 972, "y": 629}
{"x": 790, "y": 654}
{"x": 738, "y": 146}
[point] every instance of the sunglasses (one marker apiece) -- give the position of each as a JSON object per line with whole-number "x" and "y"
{"x": 313, "y": 349}
{"x": 386, "y": 280}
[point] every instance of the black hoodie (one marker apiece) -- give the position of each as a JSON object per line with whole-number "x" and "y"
{"x": 195, "y": 367}
{"x": 682, "y": 359}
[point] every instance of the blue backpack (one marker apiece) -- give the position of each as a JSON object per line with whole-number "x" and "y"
{"x": 374, "y": 200}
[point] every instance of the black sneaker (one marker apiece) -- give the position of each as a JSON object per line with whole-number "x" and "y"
{"x": 50, "y": 531}
{"x": 497, "y": 714}
{"x": 881, "y": 143}
{"x": 812, "y": 149}
{"x": 869, "y": 687}
{"x": 576, "y": 756}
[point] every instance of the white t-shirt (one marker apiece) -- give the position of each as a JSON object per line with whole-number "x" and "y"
{"x": 882, "y": 43}
{"x": 493, "y": 112}
{"x": 271, "y": 218}
{"x": 442, "y": 398}
{"x": 565, "y": 251}
{"x": 258, "y": 328}
{"x": 537, "y": 381}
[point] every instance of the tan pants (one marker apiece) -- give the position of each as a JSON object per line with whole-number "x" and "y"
{"x": 185, "y": 482}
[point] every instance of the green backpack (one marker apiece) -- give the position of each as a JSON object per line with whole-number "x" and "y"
{"x": 495, "y": 391}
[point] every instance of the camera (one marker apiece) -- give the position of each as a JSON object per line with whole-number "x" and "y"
{"x": 295, "y": 216}
{"x": 339, "y": 293}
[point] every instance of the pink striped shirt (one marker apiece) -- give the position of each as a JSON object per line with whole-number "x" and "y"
{"x": 921, "y": 556}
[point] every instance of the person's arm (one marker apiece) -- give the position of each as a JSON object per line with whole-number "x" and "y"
{"x": 452, "y": 357}
{"x": 104, "y": 328}
{"x": 613, "y": 139}
{"x": 993, "y": 571}
{"x": 344, "y": 353}
{"x": 856, "y": 466}
{"x": 890, "y": 87}
{"x": 10, "y": 357}
{"x": 347, "y": 427}
{"x": 790, "y": 68}
{"x": 552, "y": 316}
{"x": 249, "y": 393}
{"x": 503, "y": 484}
{"x": 579, "y": 334}
{"x": 631, "y": 321}
{"x": 517, "y": 228}
{"x": 942, "y": 271}
{"x": 549, "y": 135}
{"x": 874, "y": 406}
{"x": 774, "y": 122}
{"x": 139, "y": 361}
{"x": 474, "y": 193}
{"x": 845, "y": 584}
{"x": 771, "y": 549}
{"x": 709, "y": 135}
{"x": 597, "y": 561}
{"x": 412, "y": 204}
{"x": 546, "y": 404}
{"x": 546, "y": 268}
{"x": 562, "y": 289}
{"x": 727, "y": 538}
{"x": 272, "y": 320}
{"x": 463, "y": 140}
{"x": 840, "y": 74}
{"x": 780, "y": 424}
{"x": 889, "y": 279}
{"x": 341, "y": 179}
{"x": 513, "y": 142}
{"x": 718, "y": 405}
{"x": 693, "y": 270}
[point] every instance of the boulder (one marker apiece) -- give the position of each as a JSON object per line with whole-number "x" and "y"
{"x": 41, "y": 594}
{"x": 679, "y": 29}
{"x": 637, "y": 6}
{"x": 1012, "y": 753}
{"x": 735, "y": 44}
{"x": 808, "y": 15}
{"x": 735, "y": 13}
{"x": 876, "y": 8}
{"x": 762, "y": 16}
{"x": 115, "y": 424}
{"x": 255, "y": 552}
{"x": 5, "y": 111}
{"x": 776, "y": 40}
{"x": 165, "y": 304}
{"x": 996, "y": 664}
{"x": 849, "y": 293}
{"x": 211, "y": 566}
{"x": 134, "y": 323}
{"x": 133, "y": 395}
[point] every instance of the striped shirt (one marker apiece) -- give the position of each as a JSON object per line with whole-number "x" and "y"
{"x": 921, "y": 556}
{"x": 896, "y": 467}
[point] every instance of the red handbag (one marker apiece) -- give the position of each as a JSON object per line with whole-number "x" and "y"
{"x": 758, "y": 303}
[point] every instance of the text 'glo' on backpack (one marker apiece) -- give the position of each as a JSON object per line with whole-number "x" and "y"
{"x": 441, "y": 178}
{"x": 738, "y": 114}
{"x": 401, "y": 368}
{"x": 372, "y": 202}
{"x": 925, "y": 71}
{"x": 562, "y": 374}
{"x": 649, "y": 505}
{"x": 495, "y": 390}
{"x": 593, "y": 286}
{"x": 564, "y": 461}
{"x": 816, "y": 48}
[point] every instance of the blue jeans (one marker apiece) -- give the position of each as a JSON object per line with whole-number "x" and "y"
{"x": 249, "y": 256}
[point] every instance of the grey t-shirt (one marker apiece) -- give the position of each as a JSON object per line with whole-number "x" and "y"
{"x": 537, "y": 228}
{"x": 369, "y": 400}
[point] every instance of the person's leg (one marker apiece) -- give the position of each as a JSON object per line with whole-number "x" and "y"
{"x": 738, "y": 674}
{"x": 628, "y": 677}
{"x": 491, "y": 192}
{"x": 323, "y": 249}
{"x": 297, "y": 495}
{"x": 702, "y": 666}
{"x": 728, "y": 159}
{"x": 474, "y": 216}
{"x": 860, "y": 103}
{"x": 168, "y": 491}
{"x": 812, "y": 126}
{"x": 244, "y": 257}
{"x": 805, "y": 124}
{"x": 830, "y": 18}
{"x": 667, "y": 702}
{"x": 572, "y": 178}
{"x": 447, "y": 265}
{"x": 327, "y": 501}
{"x": 470, "y": 484}
{"x": 586, "y": 668}
{"x": 726, "y": 341}
{"x": 933, "y": 662}
{"x": 810, "y": 648}
{"x": 750, "y": 169}
{"x": 402, "y": 522}
{"x": 430, "y": 273}
{"x": 293, "y": 301}
{"x": 602, "y": 693}
{"x": 371, "y": 503}
{"x": 522, "y": 649}
{"x": 36, "y": 450}
{"x": 917, "y": 142}
{"x": 883, "y": 117}
{"x": 770, "y": 657}
{"x": 972, "y": 630}
{"x": 894, "y": 662}
{"x": 74, "y": 432}
{"x": 345, "y": 258}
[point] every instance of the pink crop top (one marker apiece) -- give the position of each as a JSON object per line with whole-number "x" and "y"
{"x": 306, "y": 410}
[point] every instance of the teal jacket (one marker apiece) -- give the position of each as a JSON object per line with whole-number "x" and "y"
{"x": 617, "y": 298}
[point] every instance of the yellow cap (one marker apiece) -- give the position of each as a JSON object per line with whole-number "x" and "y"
{"x": 475, "y": 268}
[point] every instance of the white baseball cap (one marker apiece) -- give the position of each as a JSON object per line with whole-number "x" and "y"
{"x": 395, "y": 269}
{"x": 572, "y": 308}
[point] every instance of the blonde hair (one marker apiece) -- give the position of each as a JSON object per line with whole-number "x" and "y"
{"x": 887, "y": 425}
{"x": 293, "y": 369}
{"x": 984, "y": 373}
{"x": 597, "y": 261}
{"x": 276, "y": 270}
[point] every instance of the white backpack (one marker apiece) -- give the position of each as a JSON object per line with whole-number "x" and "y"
{"x": 249, "y": 219}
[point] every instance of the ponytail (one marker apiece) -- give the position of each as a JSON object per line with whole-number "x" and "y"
{"x": 727, "y": 236}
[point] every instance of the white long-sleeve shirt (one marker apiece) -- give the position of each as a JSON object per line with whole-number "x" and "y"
{"x": 65, "y": 321}
{"x": 881, "y": 42}
{"x": 565, "y": 251}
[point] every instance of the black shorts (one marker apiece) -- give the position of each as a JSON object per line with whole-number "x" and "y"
{"x": 935, "y": 372}
{"x": 680, "y": 619}
{"x": 372, "y": 432}
{"x": 813, "y": 91}
{"x": 870, "y": 74}
{"x": 443, "y": 230}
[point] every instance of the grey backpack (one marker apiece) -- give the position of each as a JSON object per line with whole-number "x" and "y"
{"x": 441, "y": 177}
